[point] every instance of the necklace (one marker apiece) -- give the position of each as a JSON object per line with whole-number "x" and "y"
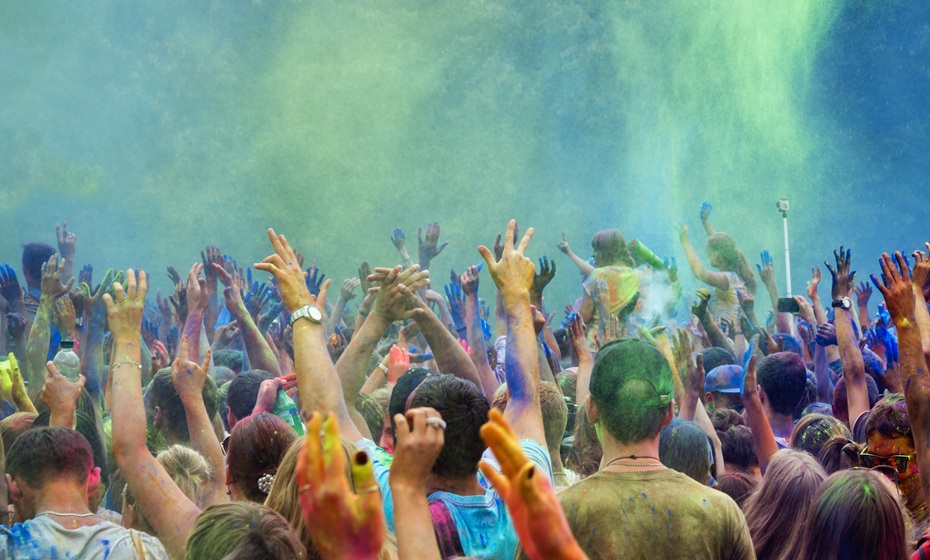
{"x": 66, "y": 514}
{"x": 634, "y": 457}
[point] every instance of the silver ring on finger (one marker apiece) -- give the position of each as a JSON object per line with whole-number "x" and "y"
{"x": 436, "y": 423}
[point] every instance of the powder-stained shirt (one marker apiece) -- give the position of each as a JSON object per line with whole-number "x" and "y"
{"x": 46, "y": 539}
{"x": 654, "y": 514}
{"x": 483, "y": 523}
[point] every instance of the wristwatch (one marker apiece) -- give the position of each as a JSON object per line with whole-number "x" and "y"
{"x": 310, "y": 312}
{"x": 845, "y": 303}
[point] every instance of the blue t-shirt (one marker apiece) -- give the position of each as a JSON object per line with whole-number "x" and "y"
{"x": 483, "y": 522}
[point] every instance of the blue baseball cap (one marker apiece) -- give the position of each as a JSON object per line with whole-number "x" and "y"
{"x": 724, "y": 379}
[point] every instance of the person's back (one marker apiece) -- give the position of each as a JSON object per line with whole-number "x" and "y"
{"x": 635, "y": 507}
{"x": 652, "y": 514}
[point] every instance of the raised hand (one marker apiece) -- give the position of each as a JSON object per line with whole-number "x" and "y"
{"x": 767, "y": 344}
{"x": 349, "y": 285}
{"x": 66, "y": 241}
{"x": 537, "y": 516}
{"x": 9, "y": 285}
{"x": 126, "y": 306}
{"x": 173, "y": 275}
{"x": 391, "y": 301}
{"x": 843, "y": 280}
{"x": 896, "y": 288}
{"x": 706, "y": 208}
{"x": 826, "y": 334}
{"x": 225, "y": 335}
{"x": 767, "y": 268}
{"x": 750, "y": 387}
{"x": 683, "y": 233}
{"x": 429, "y": 247}
{"x": 16, "y": 325}
{"x": 197, "y": 295}
{"x": 52, "y": 285}
{"x": 563, "y": 245}
{"x": 499, "y": 245}
{"x": 160, "y": 357}
{"x": 469, "y": 280}
{"x": 542, "y": 278}
{"x": 211, "y": 256}
{"x": 270, "y": 315}
{"x": 921, "y": 274}
{"x": 813, "y": 283}
{"x": 419, "y": 441}
{"x": 456, "y": 305}
{"x": 314, "y": 279}
{"x": 399, "y": 239}
{"x": 188, "y": 377}
{"x": 699, "y": 307}
{"x": 863, "y": 293}
{"x": 60, "y": 395}
{"x": 65, "y": 319}
{"x": 341, "y": 523}
{"x": 512, "y": 273}
{"x": 284, "y": 267}
{"x": 398, "y": 364}
{"x": 179, "y": 301}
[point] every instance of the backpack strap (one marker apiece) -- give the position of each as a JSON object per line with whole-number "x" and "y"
{"x": 450, "y": 545}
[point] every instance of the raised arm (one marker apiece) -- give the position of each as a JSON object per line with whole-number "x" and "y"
{"x": 898, "y": 291}
{"x": 429, "y": 247}
{"x": 919, "y": 280}
{"x": 763, "y": 439}
{"x": 67, "y": 243}
{"x": 766, "y": 271}
{"x": 389, "y": 306}
{"x": 53, "y": 288}
{"x": 260, "y": 354}
{"x": 94, "y": 329}
{"x": 706, "y": 208}
{"x": 170, "y": 512}
{"x": 477, "y": 348}
{"x": 718, "y": 280}
{"x": 188, "y": 378}
{"x": 400, "y": 243}
{"x": 584, "y": 266}
{"x": 349, "y": 285}
{"x": 513, "y": 275}
{"x": 317, "y": 380}
{"x": 857, "y": 392}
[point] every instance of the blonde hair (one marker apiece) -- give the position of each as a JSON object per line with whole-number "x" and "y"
{"x": 187, "y": 468}
{"x": 284, "y": 498}
{"x": 775, "y": 510}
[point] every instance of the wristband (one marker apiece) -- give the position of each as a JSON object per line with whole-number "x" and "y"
{"x": 382, "y": 367}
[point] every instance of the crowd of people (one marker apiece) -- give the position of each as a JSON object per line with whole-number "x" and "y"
{"x": 254, "y": 416}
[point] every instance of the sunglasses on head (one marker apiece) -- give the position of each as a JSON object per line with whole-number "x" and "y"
{"x": 897, "y": 462}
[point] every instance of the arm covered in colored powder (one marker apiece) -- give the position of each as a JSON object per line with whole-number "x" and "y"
{"x": 170, "y": 512}
{"x": 513, "y": 275}
{"x": 901, "y": 301}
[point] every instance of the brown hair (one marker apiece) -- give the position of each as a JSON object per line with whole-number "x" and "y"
{"x": 284, "y": 498}
{"x": 586, "y": 453}
{"x": 854, "y": 516}
{"x": 738, "y": 486}
{"x": 256, "y": 446}
{"x": 733, "y": 259}
{"x": 612, "y": 245}
{"x": 772, "y": 511}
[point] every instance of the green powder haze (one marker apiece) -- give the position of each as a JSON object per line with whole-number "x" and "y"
{"x": 158, "y": 128}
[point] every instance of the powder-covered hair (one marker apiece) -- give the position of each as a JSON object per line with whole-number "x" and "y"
{"x": 241, "y": 530}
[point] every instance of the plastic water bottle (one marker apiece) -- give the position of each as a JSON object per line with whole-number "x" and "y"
{"x": 285, "y": 409}
{"x": 67, "y": 361}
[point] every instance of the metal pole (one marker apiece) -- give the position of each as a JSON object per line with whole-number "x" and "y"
{"x": 787, "y": 256}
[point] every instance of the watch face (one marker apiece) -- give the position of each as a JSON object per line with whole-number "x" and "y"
{"x": 314, "y": 314}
